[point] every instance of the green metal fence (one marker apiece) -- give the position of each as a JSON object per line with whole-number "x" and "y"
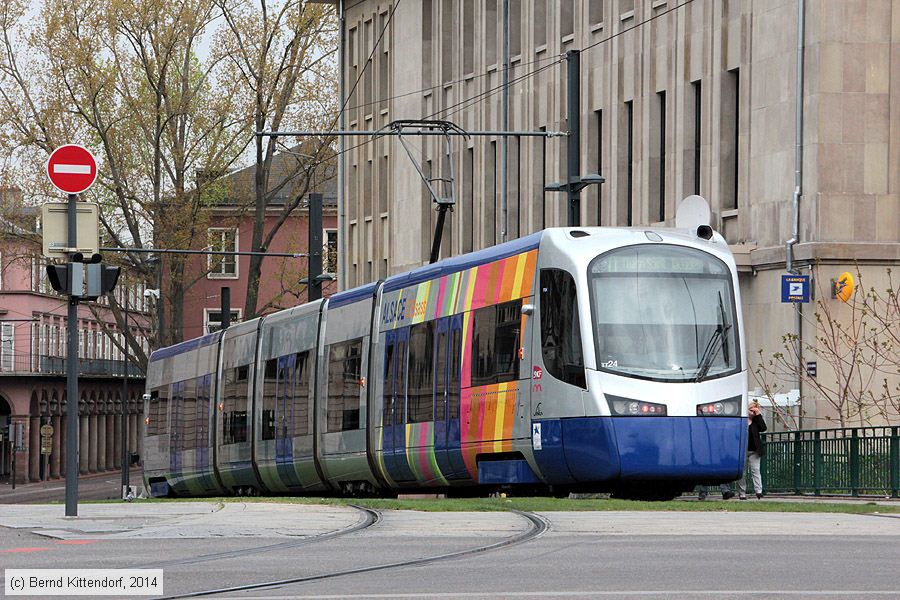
{"x": 853, "y": 461}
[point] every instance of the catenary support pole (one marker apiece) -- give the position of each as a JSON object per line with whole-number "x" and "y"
{"x": 314, "y": 287}
{"x": 72, "y": 379}
{"x": 504, "y": 141}
{"x": 226, "y": 307}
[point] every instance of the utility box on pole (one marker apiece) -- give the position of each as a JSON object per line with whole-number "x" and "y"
{"x": 55, "y": 229}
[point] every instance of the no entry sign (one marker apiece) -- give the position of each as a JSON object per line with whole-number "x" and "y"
{"x": 72, "y": 168}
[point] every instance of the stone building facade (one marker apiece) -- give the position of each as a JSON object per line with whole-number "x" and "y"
{"x": 677, "y": 98}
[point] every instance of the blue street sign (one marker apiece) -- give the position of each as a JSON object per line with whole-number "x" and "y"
{"x": 795, "y": 288}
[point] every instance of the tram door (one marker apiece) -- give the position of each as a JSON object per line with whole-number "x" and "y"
{"x": 393, "y": 420}
{"x": 446, "y": 397}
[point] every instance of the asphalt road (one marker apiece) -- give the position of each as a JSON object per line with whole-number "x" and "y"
{"x": 101, "y": 486}
{"x": 206, "y": 546}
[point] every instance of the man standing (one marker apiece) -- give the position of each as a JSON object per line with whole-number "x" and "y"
{"x": 755, "y": 425}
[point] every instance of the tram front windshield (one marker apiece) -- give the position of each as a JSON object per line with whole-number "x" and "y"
{"x": 664, "y": 313}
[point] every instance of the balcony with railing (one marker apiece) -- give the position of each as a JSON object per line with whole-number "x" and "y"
{"x": 32, "y": 365}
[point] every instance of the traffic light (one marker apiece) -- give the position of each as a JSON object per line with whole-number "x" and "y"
{"x": 101, "y": 280}
{"x": 59, "y": 277}
{"x": 69, "y": 279}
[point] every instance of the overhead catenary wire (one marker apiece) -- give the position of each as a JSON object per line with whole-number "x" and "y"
{"x": 661, "y": 13}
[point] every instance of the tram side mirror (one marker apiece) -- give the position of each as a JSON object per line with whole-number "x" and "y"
{"x": 528, "y": 309}
{"x": 704, "y": 232}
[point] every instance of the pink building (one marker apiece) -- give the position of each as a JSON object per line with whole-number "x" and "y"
{"x": 33, "y": 335}
{"x": 281, "y": 283}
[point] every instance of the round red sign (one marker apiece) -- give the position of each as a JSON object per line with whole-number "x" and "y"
{"x": 72, "y": 168}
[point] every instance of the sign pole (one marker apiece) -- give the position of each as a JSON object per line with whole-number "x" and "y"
{"x": 72, "y": 381}
{"x": 126, "y": 455}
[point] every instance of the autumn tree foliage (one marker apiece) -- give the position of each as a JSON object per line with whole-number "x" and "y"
{"x": 167, "y": 95}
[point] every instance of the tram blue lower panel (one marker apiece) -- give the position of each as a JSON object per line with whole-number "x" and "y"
{"x": 593, "y": 449}
{"x": 505, "y": 472}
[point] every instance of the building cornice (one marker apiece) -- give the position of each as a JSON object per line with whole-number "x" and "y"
{"x": 749, "y": 257}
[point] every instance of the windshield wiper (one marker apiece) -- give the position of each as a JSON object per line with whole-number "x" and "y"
{"x": 716, "y": 341}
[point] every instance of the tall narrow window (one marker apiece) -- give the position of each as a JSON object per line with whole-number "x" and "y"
{"x": 625, "y": 170}
{"x": 384, "y": 62}
{"x": 490, "y": 32}
{"x": 595, "y": 11}
{"x": 468, "y": 227}
{"x": 566, "y": 18}
{"x": 597, "y": 160}
{"x": 368, "y": 70}
{"x": 540, "y": 23}
{"x": 660, "y": 183}
{"x": 223, "y": 266}
{"x": 696, "y": 86}
{"x": 515, "y": 28}
{"x": 730, "y": 119}
{"x": 7, "y": 347}
{"x": 490, "y": 220}
{"x": 468, "y": 25}
{"x": 448, "y": 37}
{"x": 427, "y": 41}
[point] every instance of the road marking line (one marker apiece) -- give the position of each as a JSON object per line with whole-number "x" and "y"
{"x": 14, "y": 550}
{"x": 75, "y": 542}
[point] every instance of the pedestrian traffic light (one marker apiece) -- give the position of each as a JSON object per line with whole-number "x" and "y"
{"x": 101, "y": 279}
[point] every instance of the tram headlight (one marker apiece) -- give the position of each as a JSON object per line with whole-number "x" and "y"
{"x": 626, "y": 407}
{"x": 730, "y": 407}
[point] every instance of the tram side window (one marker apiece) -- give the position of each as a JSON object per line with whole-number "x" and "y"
{"x": 455, "y": 372}
{"x": 387, "y": 394}
{"x": 301, "y": 394}
{"x": 440, "y": 377}
{"x": 344, "y": 366}
{"x": 495, "y": 343}
{"x": 189, "y": 414}
{"x": 400, "y": 382}
{"x": 270, "y": 389}
{"x": 234, "y": 400}
{"x": 158, "y": 411}
{"x": 420, "y": 399}
{"x": 204, "y": 388}
{"x": 560, "y": 329}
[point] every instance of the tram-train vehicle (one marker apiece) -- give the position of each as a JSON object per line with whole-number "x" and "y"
{"x": 572, "y": 359}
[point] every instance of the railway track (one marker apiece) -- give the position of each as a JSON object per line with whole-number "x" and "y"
{"x": 369, "y": 517}
{"x": 538, "y": 525}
